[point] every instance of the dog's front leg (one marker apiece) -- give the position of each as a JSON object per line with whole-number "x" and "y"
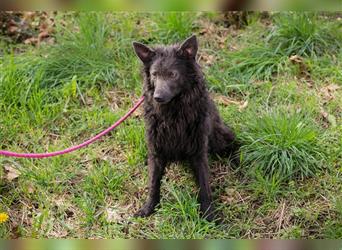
{"x": 200, "y": 167}
{"x": 156, "y": 172}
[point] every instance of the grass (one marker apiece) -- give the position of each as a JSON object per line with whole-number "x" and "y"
{"x": 259, "y": 62}
{"x": 293, "y": 33}
{"x": 304, "y": 34}
{"x": 179, "y": 218}
{"x": 84, "y": 53}
{"x": 172, "y": 26}
{"x": 58, "y": 95}
{"x": 282, "y": 144}
{"x": 334, "y": 228}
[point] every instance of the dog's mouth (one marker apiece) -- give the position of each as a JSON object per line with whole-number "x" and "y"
{"x": 162, "y": 100}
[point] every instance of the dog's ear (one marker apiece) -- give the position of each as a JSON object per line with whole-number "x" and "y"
{"x": 143, "y": 52}
{"x": 189, "y": 47}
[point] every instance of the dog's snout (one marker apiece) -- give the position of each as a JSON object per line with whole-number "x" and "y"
{"x": 159, "y": 99}
{"x": 163, "y": 92}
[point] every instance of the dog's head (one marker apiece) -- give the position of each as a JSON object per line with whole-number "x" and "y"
{"x": 168, "y": 67}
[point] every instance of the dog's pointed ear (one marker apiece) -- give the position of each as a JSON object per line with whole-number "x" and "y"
{"x": 189, "y": 47}
{"x": 143, "y": 52}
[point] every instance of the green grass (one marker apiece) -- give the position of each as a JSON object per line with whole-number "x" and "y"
{"x": 59, "y": 95}
{"x": 304, "y": 34}
{"x": 293, "y": 33}
{"x": 178, "y": 218}
{"x": 282, "y": 144}
{"x": 333, "y": 229}
{"x": 259, "y": 62}
{"x": 83, "y": 50}
{"x": 172, "y": 26}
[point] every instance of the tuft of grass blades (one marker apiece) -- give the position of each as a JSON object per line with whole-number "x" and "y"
{"x": 279, "y": 144}
{"x": 294, "y": 33}
{"x": 84, "y": 53}
{"x": 258, "y": 62}
{"x": 172, "y": 26}
{"x": 180, "y": 217}
{"x": 305, "y": 34}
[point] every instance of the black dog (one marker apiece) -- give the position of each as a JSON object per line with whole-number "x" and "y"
{"x": 182, "y": 121}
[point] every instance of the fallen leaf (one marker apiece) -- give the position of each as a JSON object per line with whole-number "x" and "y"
{"x": 333, "y": 87}
{"x": 208, "y": 29}
{"x": 207, "y": 59}
{"x": 31, "y": 40}
{"x": 138, "y": 112}
{"x": 11, "y": 173}
{"x": 113, "y": 215}
{"x": 303, "y": 69}
{"x": 243, "y": 105}
{"x": 328, "y": 119}
{"x": 116, "y": 213}
{"x": 28, "y": 15}
{"x": 30, "y": 189}
{"x": 13, "y": 29}
{"x": 328, "y": 92}
{"x": 50, "y": 40}
{"x": 332, "y": 120}
{"x": 43, "y": 35}
{"x": 60, "y": 201}
{"x": 296, "y": 59}
{"x": 324, "y": 114}
{"x": 221, "y": 99}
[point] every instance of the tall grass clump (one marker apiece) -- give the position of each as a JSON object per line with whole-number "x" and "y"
{"x": 282, "y": 144}
{"x": 180, "y": 218}
{"x": 305, "y": 34}
{"x": 171, "y": 27}
{"x": 20, "y": 84}
{"x": 258, "y": 62}
{"x": 294, "y": 33}
{"x": 83, "y": 50}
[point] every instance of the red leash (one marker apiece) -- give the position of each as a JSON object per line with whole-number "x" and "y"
{"x": 82, "y": 145}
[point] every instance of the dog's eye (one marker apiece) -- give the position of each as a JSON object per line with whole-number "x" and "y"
{"x": 173, "y": 74}
{"x": 154, "y": 73}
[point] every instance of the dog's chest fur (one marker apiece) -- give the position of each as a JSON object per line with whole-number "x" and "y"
{"x": 179, "y": 129}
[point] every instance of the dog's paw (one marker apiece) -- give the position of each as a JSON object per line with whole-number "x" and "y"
{"x": 145, "y": 211}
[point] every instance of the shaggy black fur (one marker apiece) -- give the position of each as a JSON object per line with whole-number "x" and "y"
{"x": 182, "y": 121}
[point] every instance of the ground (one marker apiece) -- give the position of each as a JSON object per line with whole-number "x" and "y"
{"x": 276, "y": 82}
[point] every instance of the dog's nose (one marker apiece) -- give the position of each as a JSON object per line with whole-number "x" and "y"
{"x": 159, "y": 99}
